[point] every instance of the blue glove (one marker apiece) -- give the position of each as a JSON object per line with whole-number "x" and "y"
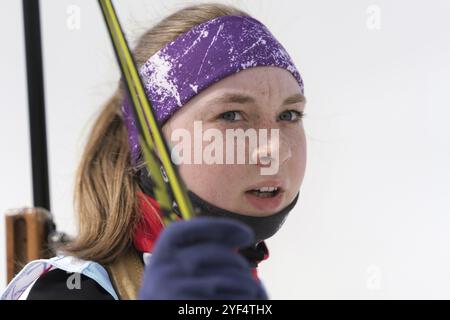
{"x": 198, "y": 259}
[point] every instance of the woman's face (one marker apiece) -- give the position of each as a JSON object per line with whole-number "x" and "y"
{"x": 229, "y": 185}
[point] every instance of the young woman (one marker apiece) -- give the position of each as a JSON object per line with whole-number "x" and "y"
{"x": 210, "y": 66}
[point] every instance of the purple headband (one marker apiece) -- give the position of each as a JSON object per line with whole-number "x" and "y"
{"x": 200, "y": 57}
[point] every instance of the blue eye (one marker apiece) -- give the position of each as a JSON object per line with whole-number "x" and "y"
{"x": 230, "y": 116}
{"x": 291, "y": 115}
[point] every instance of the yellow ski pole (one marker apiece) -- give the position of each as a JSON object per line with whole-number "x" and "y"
{"x": 150, "y": 135}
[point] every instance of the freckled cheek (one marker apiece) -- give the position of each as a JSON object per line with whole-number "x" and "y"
{"x": 215, "y": 183}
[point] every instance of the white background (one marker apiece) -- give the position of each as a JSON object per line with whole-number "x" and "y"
{"x": 373, "y": 217}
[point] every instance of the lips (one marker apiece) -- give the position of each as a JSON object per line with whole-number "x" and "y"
{"x": 266, "y": 203}
{"x": 266, "y": 195}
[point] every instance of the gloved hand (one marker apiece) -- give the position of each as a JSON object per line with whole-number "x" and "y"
{"x": 198, "y": 259}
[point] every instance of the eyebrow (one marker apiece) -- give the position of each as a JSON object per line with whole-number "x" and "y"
{"x": 243, "y": 98}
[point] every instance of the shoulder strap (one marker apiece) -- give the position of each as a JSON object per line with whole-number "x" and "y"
{"x": 126, "y": 274}
{"x": 34, "y": 269}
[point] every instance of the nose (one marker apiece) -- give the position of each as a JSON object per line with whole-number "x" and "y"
{"x": 272, "y": 151}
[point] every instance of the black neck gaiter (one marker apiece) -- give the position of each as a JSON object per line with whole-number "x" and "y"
{"x": 263, "y": 227}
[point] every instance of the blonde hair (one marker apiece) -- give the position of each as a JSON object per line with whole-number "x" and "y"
{"x": 105, "y": 192}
